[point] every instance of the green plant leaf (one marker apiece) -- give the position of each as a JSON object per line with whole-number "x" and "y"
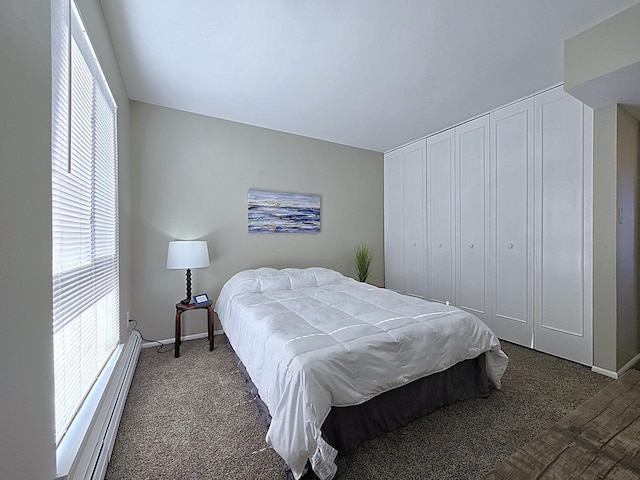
{"x": 362, "y": 257}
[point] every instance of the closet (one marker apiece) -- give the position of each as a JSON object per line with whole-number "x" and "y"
{"x": 563, "y": 221}
{"x": 457, "y": 216}
{"x": 501, "y": 221}
{"x": 472, "y": 216}
{"x": 440, "y": 218}
{"x": 404, "y": 225}
{"x": 511, "y": 230}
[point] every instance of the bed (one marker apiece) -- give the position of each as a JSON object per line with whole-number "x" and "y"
{"x": 315, "y": 342}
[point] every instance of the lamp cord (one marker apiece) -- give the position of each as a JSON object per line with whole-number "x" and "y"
{"x": 159, "y": 350}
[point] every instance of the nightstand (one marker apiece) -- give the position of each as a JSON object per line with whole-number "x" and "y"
{"x": 180, "y": 308}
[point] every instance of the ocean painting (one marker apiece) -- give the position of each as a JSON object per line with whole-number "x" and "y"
{"x": 282, "y": 212}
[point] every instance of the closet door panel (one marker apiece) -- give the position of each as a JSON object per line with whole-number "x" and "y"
{"x": 440, "y": 231}
{"x": 415, "y": 217}
{"x": 472, "y": 163}
{"x": 512, "y": 210}
{"x": 393, "y": 220}
{"x": 562, "y": 326}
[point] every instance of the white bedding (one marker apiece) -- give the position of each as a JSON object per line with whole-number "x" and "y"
{"x": 308, "y": 348}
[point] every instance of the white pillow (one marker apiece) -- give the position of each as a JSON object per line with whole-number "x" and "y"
{"x": 271, "y": 279}
{"x": 301, "y": 278}
{"x": 324, "y": 276}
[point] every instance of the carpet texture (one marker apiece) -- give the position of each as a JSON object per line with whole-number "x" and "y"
{"x": 190, "y": 418}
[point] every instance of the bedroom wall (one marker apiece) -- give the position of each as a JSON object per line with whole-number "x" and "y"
{"x": 604, "y": 239}
{"x": 191, "y": 175}
{"x": 616, "y": 246}
{"x": 602, "y": 64}
{"x": 27, "y": 449}
{"x": 604, "y": 48}
{"x": 628, "y": 235}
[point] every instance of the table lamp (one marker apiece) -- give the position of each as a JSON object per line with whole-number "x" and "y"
{"x": 184, "y": 254}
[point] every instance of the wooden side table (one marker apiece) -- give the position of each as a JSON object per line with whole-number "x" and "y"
{"x": 180, "y": 308}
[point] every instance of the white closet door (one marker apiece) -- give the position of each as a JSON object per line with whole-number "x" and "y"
{"x": 393, "y": 220}
{"x": 415, "y": 217}
{"x": 440, "y": 217}
{"x": 472, "y": 165}
{"x": 511, "y": 146}
{"x": 563, "y": 179}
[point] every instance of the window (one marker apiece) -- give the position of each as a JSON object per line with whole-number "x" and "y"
{"x": 84, "y": 217}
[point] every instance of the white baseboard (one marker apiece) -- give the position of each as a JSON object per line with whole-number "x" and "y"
{"x": 618, "y": 374}
{"x": 605, "y": 372}
{"x": 85, "y": 450}
{"x": 629, "y": 364}
{"x": 168, "y": 341}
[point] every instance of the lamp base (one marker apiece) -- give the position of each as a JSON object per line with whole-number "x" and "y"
{"x": 187, "y": 300}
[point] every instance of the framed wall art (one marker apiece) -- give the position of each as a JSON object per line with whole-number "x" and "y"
{"x": 283, "y": 212}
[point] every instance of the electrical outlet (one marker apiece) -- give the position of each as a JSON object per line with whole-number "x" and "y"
{"x": 129, "y": 317}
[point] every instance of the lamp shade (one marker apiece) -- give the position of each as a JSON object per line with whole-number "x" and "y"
{"x": 184, "y": 254}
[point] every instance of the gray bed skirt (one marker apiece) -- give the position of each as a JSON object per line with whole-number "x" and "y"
{"x": 347, "y": 427}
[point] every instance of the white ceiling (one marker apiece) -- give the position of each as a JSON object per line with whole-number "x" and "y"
{"x": 368, "y": 73}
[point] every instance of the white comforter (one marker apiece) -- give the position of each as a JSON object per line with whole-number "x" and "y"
{"x": 311, "y": 339}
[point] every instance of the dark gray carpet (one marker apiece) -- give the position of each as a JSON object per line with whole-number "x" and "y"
{"x": 190, "y": 418}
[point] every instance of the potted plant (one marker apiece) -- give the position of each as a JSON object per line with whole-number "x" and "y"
{"x": 362, "y": 260}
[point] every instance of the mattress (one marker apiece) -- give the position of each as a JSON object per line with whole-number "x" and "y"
{"x": 311, "y": 339}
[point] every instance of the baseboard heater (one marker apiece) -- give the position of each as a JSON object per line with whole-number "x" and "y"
{"x": 96, "y": 451}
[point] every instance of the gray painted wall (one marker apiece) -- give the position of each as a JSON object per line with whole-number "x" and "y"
{"x": 628, "y": 239}
{"x": 606, "y": 47}
{"x": 604, "y": 238}
{"x": 616, "y": 249}
{"x": 27, "y": 448}
{"x": 602, "y": 64}
{"x": 191, "y": 175}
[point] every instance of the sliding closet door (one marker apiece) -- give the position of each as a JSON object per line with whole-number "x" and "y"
{"x": 472, "y": 213}
{"x": 440, "y": 217}
{"x": 415, "y": 217}
{"x": 393, "y": 220}
{"x": 511, "y": 217}
{"x": 563, "y": 179}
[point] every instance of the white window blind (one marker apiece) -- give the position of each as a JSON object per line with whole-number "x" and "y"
{"x": 85, "y": 215}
